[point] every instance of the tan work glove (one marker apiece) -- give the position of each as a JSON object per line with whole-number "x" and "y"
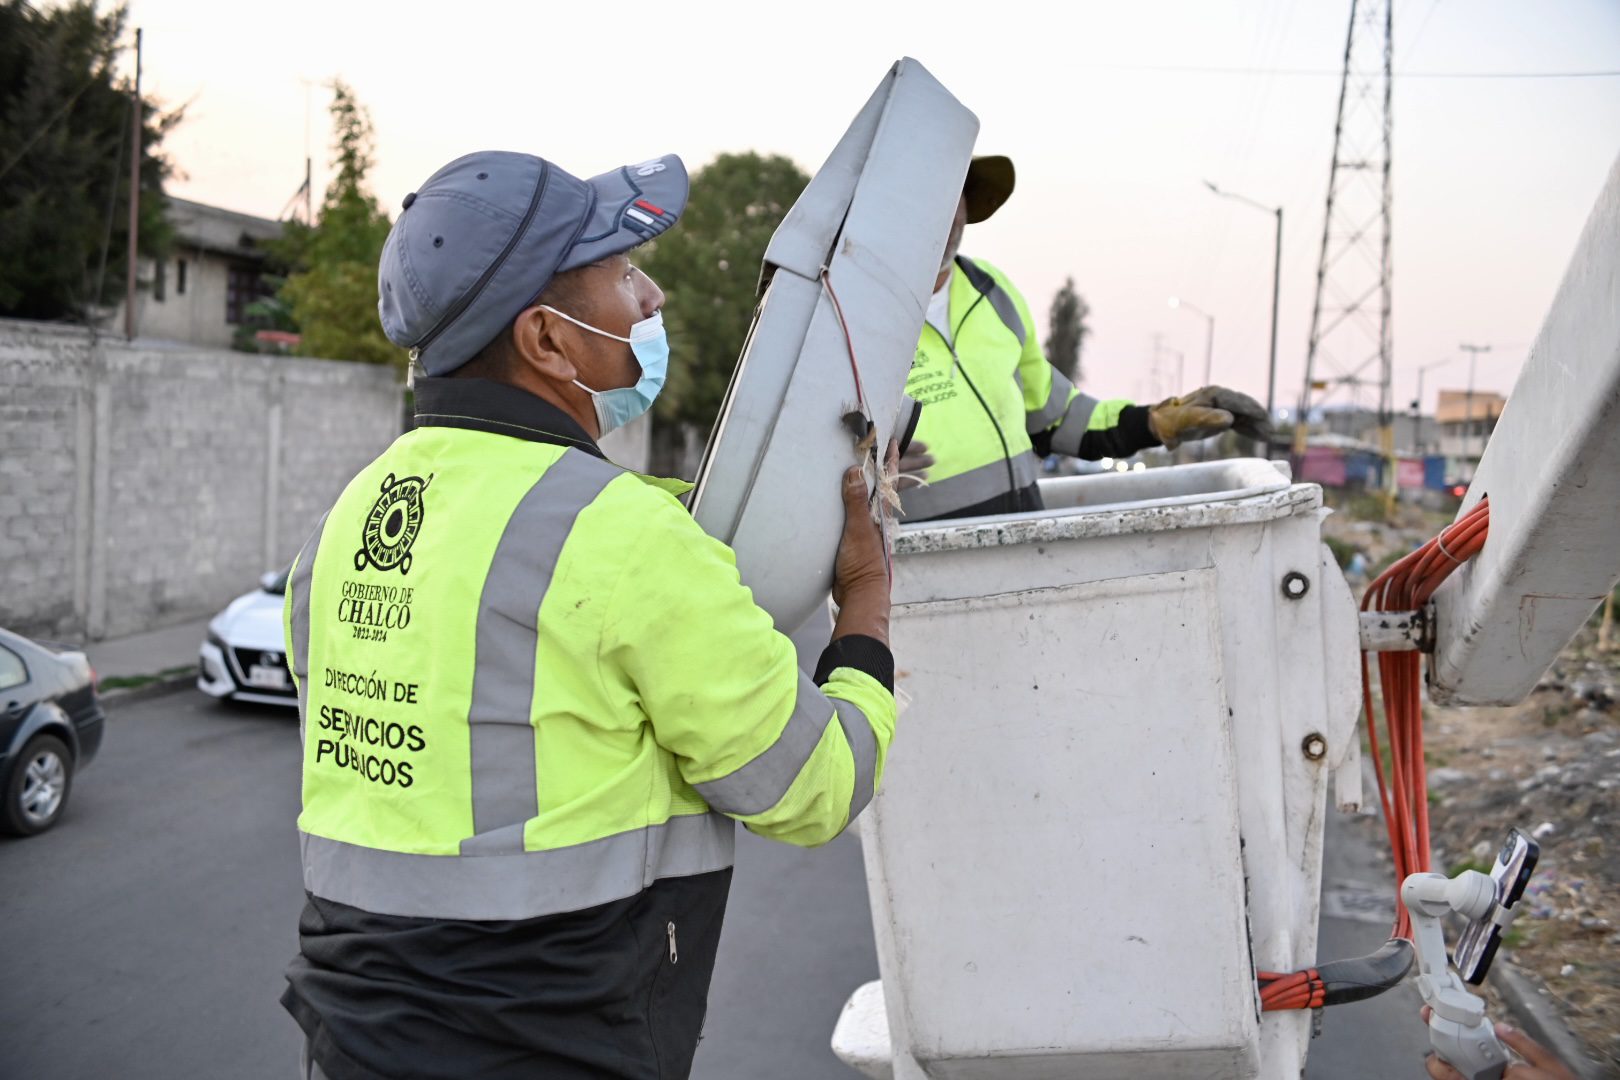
{"x": 1207, "y": 411}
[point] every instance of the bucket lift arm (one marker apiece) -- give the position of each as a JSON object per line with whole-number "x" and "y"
{"x": 1552, "y": 472}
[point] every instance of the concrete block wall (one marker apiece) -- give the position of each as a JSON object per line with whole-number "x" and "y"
{"x": 142, "y": 484}
{"x": 42, "y": 492}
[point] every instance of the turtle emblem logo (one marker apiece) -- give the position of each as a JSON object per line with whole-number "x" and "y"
{"x": 393, "y": 524}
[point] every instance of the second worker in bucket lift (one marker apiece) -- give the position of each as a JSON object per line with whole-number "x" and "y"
{"x": 994, "y": 405}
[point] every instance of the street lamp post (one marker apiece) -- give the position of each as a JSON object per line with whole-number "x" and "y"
{"x": 1276, "y": 287}
{"x": 1473, "y": 352}
{"x": 1417, "y": 403}
{"x": 1209, "y": 332}
{"x": 1209, "y": 354}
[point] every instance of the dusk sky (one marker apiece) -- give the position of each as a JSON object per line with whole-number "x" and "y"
{"x": 1114, "y": 113}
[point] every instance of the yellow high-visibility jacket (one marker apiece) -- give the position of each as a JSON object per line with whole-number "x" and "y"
{"x": 529, "y": 683}
{"x": 993, "y": 404}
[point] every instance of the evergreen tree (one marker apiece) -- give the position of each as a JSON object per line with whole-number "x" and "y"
{"x": 331, "y": 295}
{"x": 64, "y": 162}
{"x": 1067, "y": 330}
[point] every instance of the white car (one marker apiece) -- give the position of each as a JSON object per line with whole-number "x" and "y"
{"x": 243, "y": 658}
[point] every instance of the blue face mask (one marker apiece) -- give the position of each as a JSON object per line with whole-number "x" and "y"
{"x": 617, "y": 407}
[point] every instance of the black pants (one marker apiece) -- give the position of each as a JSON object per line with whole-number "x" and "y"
{"x": 614, "y": 992}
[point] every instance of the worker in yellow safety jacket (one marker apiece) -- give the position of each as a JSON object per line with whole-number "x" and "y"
{"x": 534, "y": 696}
{"x": 993, "y": 405}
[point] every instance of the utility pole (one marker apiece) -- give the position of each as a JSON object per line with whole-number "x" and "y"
{"x": 1473, "y": 352}
{"x": 1350, "y": 318}
{"x": 1209, "y": 334}
{"x": 134, "y": 195}
{"x": 309, "y": 172}
{"x": 1276, "y": 290}
{"x": 1158, "y": 350}
{"x": 1209, "y": 359}
{"x": 1417, "y": 403}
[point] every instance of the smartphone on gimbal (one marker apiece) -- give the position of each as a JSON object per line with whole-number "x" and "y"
{"x": 1476, "y": 948}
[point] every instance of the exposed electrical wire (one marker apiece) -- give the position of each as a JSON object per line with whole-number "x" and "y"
{"x": 883, "y": 495}
{"x": 1195, "y": 69}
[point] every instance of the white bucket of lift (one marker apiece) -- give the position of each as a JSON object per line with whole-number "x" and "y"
{"x": 1103, "y": 810}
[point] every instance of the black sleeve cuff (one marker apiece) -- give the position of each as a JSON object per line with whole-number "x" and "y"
{"x": 860, "y": 652}
{"x": 1130, "y": 434}
{"x": 1134, "y": 427}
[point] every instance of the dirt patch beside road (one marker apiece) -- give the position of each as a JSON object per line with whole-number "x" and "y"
{"x": 1550, "y": 767}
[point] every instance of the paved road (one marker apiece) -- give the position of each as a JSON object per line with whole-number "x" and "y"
{"x": 1381, "y": 1037}
{"x": 145, "y": 936}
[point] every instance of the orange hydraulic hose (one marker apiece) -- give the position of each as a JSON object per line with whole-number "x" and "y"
{"x": 1403, "y": 790}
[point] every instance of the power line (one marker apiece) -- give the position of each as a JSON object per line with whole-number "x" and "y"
{"x": 1424, "y": 25}
{"x": 1192, "y": 69}
{"x": 36, "y": 136}
{"x": 112, "y": 203}
{"x": 56, "y": 116}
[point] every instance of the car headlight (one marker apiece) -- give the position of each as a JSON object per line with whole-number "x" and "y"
{"x": 216, "y": 641}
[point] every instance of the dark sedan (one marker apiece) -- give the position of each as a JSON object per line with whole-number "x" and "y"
{"x": 50, "y": 728}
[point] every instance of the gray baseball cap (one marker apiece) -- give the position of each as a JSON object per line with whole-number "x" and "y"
{"x": 478, "y": 242}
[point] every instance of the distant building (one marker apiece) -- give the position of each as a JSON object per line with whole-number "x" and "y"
{"x": 200, "y": 293}
{"x": 1413, "y": 434}
{"x": 1467, "y": 420}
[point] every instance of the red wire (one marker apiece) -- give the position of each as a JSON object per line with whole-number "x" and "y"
{"x": 860, "y": 392}
{"x": 866, "y": 411}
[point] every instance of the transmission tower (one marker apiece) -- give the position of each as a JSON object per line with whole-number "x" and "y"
{"x": 1350, "y": 327}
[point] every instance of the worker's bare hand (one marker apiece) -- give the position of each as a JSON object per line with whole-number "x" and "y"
{"x": 914, "y": 466}
{"x": 861, "y": 571}
{"x": 1539, "y": 1062}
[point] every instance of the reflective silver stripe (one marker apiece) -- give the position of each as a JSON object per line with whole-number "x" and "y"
{"x": 505, "y": 791}
{"x": 863, "y": 747}
{"x": 1056, "y": 402}
{"x": 298, "y": 591}
{"x": 760, "y": 784}
{"x": 515, "y": 886}
{"x": 1000, "y": 299}
{"x": 958, "y": 492}
{"x": 1066, "y": 439}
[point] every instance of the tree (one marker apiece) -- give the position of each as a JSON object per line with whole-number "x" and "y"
{"x": 64, "y": 162}
{"x": 283, "y": 256}
{"x": 1067, "y": 330}
{"x": 331, "y": 295}
{"x": 708, "y": 267}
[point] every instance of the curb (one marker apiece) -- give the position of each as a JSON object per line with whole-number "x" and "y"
{"x": 163, "y": 684}
{"x": 1534, "y": 1014}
